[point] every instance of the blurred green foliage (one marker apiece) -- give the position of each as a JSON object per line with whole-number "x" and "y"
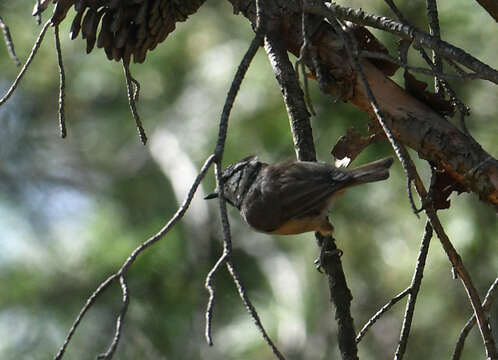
{"x": 72, "y": 210}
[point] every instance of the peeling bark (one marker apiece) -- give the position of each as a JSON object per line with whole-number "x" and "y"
{"x": 432, "y": 136}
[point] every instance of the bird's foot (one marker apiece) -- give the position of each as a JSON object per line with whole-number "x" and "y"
{"x": 324, "y": 254}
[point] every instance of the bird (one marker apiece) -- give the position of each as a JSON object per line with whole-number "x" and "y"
{"x": 291, "y": 197}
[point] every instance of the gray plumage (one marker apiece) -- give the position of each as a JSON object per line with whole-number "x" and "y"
{"x": 292, "y": 197}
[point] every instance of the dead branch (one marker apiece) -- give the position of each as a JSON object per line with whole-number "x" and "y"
{"x": 31, "y": 56}
{"x": 8, "y": 42}
{"x": 133, "y": 89}
{"x": 404, "y": 31}
{"x": 129, "y": 261}
{"x": 456, "y": 262}
{"x": 381, "y": 312}
{"x": 414, "y": 288}
{"x": 491, "y": 7}
{"x": 62, "y": 83}
{"x": 486, "y": 305}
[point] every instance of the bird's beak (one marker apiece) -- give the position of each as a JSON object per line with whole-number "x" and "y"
{"x": 211, "y": 196}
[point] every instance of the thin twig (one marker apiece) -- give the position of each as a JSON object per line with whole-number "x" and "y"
{"x": 9, "y": 43}
{"x": 396, "y": 11}
{"x": 38, "y": 13}
{"x": 457, "y": 264}
{"x": 432, "y": 14}
{"x": 352, "y": 49}
{"x": 131, "y": 259}
{"x": 208, "y": 284}
{"x": 220, "y": 146}
{"x": 119, "y": 321}
{"x": 405, "y": 31}
{"x": 381, "y": 312}
{"x": 34, "y": 51}
{"x": 62, "y": 84}
{"x": 486, "y": 305}
{"x": 251, "y": 309}
{"x": 425, "y": 71}
{"x": 132, "y": 97}
{"x": 414, "y": 289}
{"x": 227, "y": 244}
{"x": 462, "y": 108}
{"x": 91, "y": 300}
{"x": 300, "y": 61}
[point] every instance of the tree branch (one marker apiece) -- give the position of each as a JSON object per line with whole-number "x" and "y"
{"x": 9, "y": 43}
{"x": 486, "y": 305}
{"x": 414, "y": 288}
{"x": 129, "y": 261}
{"x": 491, "y": 6}
{"x": 457, "y": 263}
{"x": 405, "y": 31}
{"x": 305, "y": 150}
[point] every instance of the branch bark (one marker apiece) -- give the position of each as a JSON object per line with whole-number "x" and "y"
{"x": 411, "y": 121}
{"x": 302, "y": 134}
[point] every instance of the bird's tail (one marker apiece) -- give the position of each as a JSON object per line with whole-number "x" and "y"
{"x": 374, "y": 171}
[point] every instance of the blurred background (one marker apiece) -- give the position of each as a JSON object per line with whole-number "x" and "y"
{"x": 72, "y": 210}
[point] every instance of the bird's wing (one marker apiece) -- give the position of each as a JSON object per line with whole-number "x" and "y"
{"x": 305, "y": 188}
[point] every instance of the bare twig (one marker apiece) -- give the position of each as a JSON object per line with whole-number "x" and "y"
{"x": 381, "y": 312}
{"x": 486, "y": 305}
{"x": 414, "y": 288}
{"x": 352, "y": 49}
{"x": 491, "y": 6}
{"x": 132, "y": 97}
{"x": 119, "y": 321}
{"x": 300, "y": 61}
{"x": 377, "y": 55}
{"x": 405, "y": 31}
{"x": 457, "y": 264}
{"x": 462, "y": 108}
{"x": 131, "y": 259}
{"x": 396, "y": 11}
{"x": 91, "y": 300}
{"x": 225, "y": 258}
{"x": 436, "y": 32}
{"x": 9, "y": 43}
{"x": 251, "y": 309}
{"x": 34, "y": 51}
{"x": 38, "y": 14}
{"x": 62, "y": 84}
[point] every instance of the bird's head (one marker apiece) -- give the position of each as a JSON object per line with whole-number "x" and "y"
{"x": 237, "y": 179}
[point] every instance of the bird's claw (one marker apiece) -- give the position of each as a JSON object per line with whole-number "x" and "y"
{"x": 321, "y": 259}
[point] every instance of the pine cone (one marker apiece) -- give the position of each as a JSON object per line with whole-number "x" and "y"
{"x": 124, "y": 28}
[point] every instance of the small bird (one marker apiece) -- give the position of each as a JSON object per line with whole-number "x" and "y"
{"x": 292, "y": 197}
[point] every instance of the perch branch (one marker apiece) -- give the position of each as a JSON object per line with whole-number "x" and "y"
{"x": 305, "y": 150}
